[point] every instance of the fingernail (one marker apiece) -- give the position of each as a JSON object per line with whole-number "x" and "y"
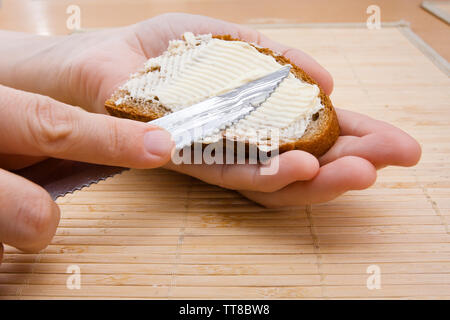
{"x": 158, "y": 142}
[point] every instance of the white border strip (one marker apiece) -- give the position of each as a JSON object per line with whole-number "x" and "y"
{"x": 428, "y": 51}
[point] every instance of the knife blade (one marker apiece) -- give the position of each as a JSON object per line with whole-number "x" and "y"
{"x": 217, "y": 113}
{"x": 60, "y": 177}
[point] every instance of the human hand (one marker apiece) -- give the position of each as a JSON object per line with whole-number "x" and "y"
{"x": 33, "y": 127}
{"x": 101, "y": 61}
{"x": 365, "y": 144}
{"x": 84, "y": 69}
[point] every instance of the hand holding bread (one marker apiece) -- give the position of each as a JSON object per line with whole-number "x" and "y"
{"x": 86, "y": 69}
{"x": 363, "y": 146}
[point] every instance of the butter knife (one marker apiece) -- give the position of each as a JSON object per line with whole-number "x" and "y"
{"x": 188, "y": 125}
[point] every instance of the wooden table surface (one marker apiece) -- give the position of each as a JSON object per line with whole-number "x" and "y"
{"x": 158, "y": 234}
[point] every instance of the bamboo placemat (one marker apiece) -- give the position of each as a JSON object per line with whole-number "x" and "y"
{"x": 158, "y": 234}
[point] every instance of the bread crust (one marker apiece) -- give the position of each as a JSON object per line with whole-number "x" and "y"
{"x": 318, "y": 138}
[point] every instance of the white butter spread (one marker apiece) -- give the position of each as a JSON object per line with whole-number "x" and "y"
{"x": 200, "y": 67}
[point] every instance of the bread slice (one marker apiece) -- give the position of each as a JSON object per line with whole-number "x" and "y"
{"x": 321, "y": 132}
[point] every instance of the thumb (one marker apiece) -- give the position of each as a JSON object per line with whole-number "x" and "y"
{"x": 28, "y": 216}
{"x": 42, "y": 126}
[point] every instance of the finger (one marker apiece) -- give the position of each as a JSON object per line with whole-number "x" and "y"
{"x": 381, "y": 149}
{"x": 357, "y": 124}
{"x": 1, "y": 252}
{"x": 16, "y": 162}
{"x": 45, "y": 127}
{"x": 377, "y": 141}
{"x": 178, "y": 23}
{"x": 291, "y": 166}
{"x": 333, "y": 179}
{"x": 304, "y": 61}
{"x": 28, "y": 216}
